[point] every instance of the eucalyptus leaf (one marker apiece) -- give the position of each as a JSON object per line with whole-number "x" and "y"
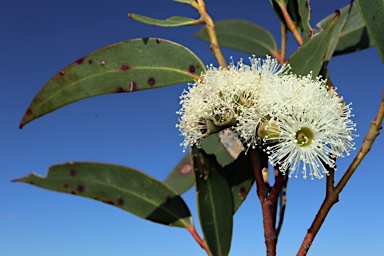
{"x": 174, "y": 21}
{"x": 211, "y": 145}
{"x": 240, "y": 177}
{"x": 310, "y": 57}
{"x": 292, "y": 8}
{"x": 120, "y": 186}
{"x": 354, "y": 34}
{"x": 181, "y": 177}
{"x": 373, "y": 14}
{"x": 215, "y": 203}
{"x": 130, "y": 66}
{"x": 243, "y": 36}
{"x": 304, "y": 10}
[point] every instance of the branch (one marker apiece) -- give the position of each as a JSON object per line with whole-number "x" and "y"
{"x": 211, "y": 31}
{"x": 267, "y": 200}
{"x": 291, "y": 25}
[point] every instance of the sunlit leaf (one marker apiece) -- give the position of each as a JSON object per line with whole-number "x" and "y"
{"x": 310, "y": 57}
{"x": 373, "y": 14}
{"x": 214, "y": 202}
{"x": 120, "y": 186}
{"x": 211, "y": 145}
{"x": 174, "y": 21}
{"x": 354, "y": 34}
{"x": 181, "y": 177}
{"x": 243, "y": 36}
{"x": 138, "y": 64}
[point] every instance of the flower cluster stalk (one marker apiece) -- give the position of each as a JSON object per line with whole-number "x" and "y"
{"x": 268, "y": 199}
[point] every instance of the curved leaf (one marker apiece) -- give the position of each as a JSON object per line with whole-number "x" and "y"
{"x": 305, "y": 14}
{"x": 181, "y": 177}
{"x": 174, "y": 21}
{"x": 225, "y": 147}
{"x": 373, "y": 14}
{"x": 292, "y": 8}
{"x": 240, "y": 177}
{"x": 243, "y": 36}
{"x": 214, "y": 203}
{"x": 310, "y": 57}
{"x": 354, "y": 34}
{"x": 138, "y": 64}
{"x": 120, "y": 186}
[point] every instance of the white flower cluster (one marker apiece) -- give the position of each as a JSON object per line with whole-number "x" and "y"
{"x": 297, "y": 120}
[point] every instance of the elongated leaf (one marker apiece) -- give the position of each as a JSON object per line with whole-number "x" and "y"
{"x": 181, "y": 178}
{"x": 243, "y": 36}
{"x": 214, "y": 202}
{"x": 240, "y": 177}
{"x": 354, "y": 34}
{"x": 292, "y": 8}
{"x": 119, "y": 186}
{"x": 211, "y": 145}
{"x": 138, "y": 64}
{"x": 305, "y": 14}
{"x": 174, "y": 21}
{"x": 373, "y": 14}
{"x": 311, "y": 55}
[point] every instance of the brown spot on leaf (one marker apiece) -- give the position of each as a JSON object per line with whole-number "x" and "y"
{"x": 29, "y": 112}
{"x": 151, "y": 81}
{"x": 61, "y": 73}
{"x": 120, "y": 201}
{"x": 192, "y": 69}
{"x": 80, "y": 188}
{"x": 158, "y": 40}
{"x": 90, "y": 61}
{"x": 102, "y": 63}
{"x": 73, "y": 192}
{"x": 66, "y": 185}
{"x": 242, "y": 192}
{"x": 185, "y": 169}
{"x": 80, "y": 61}
{"x": 72, "y": 172}
{"x": 124, "y": 67}
{"x": 120, "y": 89}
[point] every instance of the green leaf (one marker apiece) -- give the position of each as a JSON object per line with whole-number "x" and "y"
{"x": 373, "y": 14}
{"x": 181, "y": 178}
{"x": 138, "y": 64}
{"x": 120, "y": 186}
{"x": 214, "y": 203}
{"x": 353, "y": 36}
{"x": 243, "y": 36}
{"x": 211, "y": 145}
{"x": 174, "y": 21}
{"x": 292, "y": 8}
{"x": 311, "y": 55}
{"x": 240, "y": 177}
{"x": 305, "y": 14}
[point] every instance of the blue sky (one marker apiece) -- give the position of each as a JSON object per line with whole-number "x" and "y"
{"x": 41, "y": 37}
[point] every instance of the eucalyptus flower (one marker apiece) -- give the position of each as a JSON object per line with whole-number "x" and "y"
{"x": 215, "y": 101}
{"x": 310, "y": 125}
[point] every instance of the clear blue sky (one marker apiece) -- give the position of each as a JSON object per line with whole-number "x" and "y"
{"x": 39, "y": 37}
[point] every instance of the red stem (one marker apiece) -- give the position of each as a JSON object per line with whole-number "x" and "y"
{"x": 268, "y": 202}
